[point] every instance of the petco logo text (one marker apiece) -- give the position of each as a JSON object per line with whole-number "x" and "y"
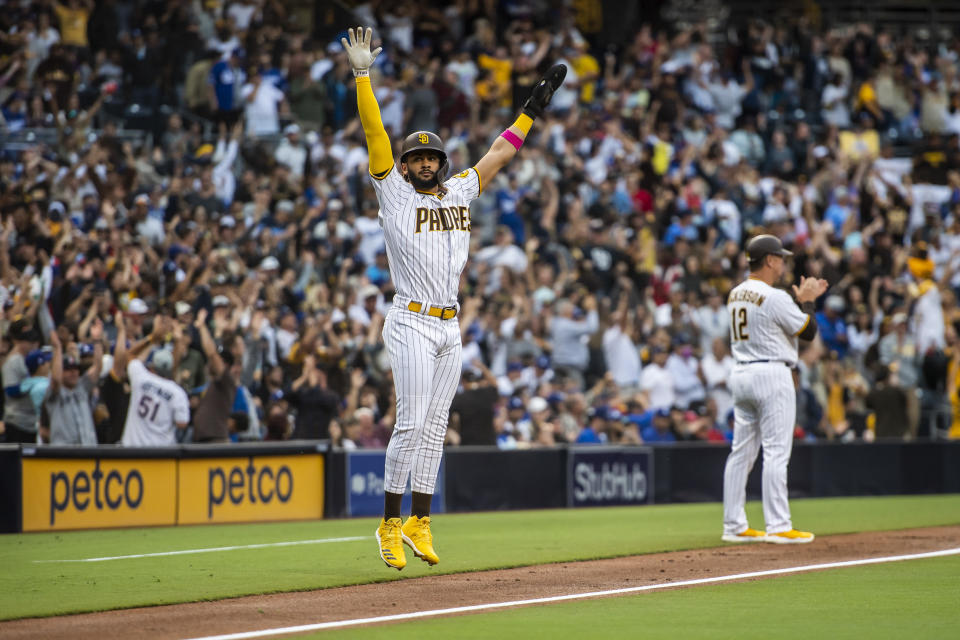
{"x": 250, "y": 484}
{"x": 97, "y": 489}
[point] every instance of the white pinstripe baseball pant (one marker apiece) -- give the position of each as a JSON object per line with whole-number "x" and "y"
{"x": 425, "y": 356}
{"x": 765, "y": 411}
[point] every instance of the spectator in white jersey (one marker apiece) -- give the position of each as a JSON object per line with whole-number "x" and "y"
{"x": 291, "y": 152}
{"x": 158, "y": 405}
{"x": 657, "y": 381}
{"x": 619, "y": 350}
{"x": 716, "y": 367}
{"x": 684, "y": 366}
{"x": 712, "y": 321}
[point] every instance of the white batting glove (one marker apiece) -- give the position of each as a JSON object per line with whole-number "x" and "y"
{"x": 358, "y": 50}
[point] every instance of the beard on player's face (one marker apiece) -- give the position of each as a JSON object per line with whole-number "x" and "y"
{"x": 422, "y": 183}
{"x": 422, "y": 176}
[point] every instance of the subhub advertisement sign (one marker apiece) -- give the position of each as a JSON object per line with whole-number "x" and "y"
{"x": 365, "y": 485}
{"x": 607, "y": 477}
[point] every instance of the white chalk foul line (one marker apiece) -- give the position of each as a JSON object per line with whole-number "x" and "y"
{"x": 303, "y": 628}
{"x": 185, "y": 552}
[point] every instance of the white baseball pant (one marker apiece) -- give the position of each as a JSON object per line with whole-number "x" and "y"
{"x": 765, "y": 410}
{"x": 425, "y": 356}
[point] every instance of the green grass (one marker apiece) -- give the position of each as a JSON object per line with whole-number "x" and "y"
{"x": 466, "y": 542}
{"x": 911, "y": 599}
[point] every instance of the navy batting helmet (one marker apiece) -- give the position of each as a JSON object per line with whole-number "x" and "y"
{"x": 765, "y": 245}
{"x": 425, "y": 140}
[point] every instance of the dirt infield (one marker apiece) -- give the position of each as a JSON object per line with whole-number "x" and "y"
{"x": 287, "y": 609}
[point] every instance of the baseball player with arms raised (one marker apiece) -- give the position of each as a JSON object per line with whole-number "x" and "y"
{"x": 765, "y": 325}
{"x": 426, "y": 224}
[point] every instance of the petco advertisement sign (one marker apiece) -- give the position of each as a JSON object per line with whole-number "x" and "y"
{"x": 365, "y": 485}
{"x": 606, "y": 477}
{"x": 98, "y": 493}
{"x": 251, "y": 489}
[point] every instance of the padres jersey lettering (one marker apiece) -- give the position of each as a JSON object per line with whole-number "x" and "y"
{"x": 443, "y": 219}
{"x": 764, "y": 323}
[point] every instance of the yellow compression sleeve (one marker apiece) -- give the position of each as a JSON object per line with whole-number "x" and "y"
{"x": 378, "y": 142}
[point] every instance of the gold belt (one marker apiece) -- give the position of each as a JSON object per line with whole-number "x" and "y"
{"x": 444, "y": 313}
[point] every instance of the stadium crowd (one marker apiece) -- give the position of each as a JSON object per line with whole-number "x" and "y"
{"x": 184, "y": 183}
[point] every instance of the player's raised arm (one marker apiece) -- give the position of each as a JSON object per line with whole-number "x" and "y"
{"x": 509, "y": 142}
{"x": 361, "y": 59}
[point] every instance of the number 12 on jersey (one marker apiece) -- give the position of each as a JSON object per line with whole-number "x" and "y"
{"x": 738, "y": 324}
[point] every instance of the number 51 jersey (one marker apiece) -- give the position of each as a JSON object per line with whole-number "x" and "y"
{"x": 427, "y": 235}
{"x": 156, "y": 405}
{"x": 764, "y": 323}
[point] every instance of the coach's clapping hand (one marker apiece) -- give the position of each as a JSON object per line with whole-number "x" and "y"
{"x": 810, "y": 289}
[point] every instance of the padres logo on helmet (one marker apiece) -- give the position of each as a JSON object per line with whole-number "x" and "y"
{"x": 420, "y": 140}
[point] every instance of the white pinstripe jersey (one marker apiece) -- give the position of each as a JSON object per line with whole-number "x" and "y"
{"x": 764, "y": 323}
{"x": 427, "y": 236}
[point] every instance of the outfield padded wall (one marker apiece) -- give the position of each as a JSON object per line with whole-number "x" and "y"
{"x": 476, "y": 479}
{"x": 9, "y": 488}
{"x": 694, "y": 472}
{"x": 487, "y": 479}
{"x": 950, "y": 466}
{"x": 63, "y": 488}
{"x": 335, "y": 503}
